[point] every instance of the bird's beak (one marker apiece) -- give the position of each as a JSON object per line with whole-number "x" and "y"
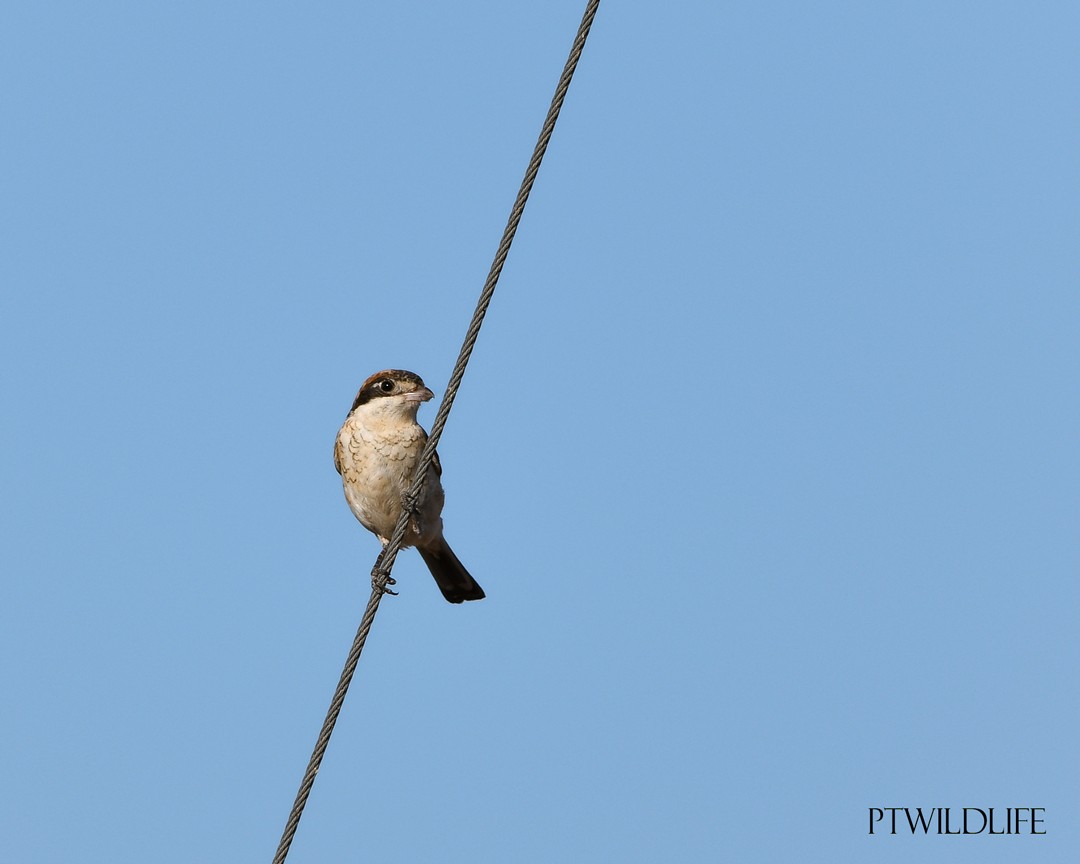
{"x": 421, "y": 395}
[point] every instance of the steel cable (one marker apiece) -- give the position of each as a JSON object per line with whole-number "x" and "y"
{"x": 380, "y": 574}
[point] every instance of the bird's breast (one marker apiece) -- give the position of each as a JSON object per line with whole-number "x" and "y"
{"x": 377, "y": 468}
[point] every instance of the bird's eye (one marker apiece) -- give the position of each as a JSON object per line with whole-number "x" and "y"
{"x": 386, "y": 385}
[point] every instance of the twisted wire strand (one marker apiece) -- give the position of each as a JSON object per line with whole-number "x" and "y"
{"x": 383, "y": 567}
{"x": 380, "y": 573}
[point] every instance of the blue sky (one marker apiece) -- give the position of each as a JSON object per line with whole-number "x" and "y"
{"x": 766, "y": 458}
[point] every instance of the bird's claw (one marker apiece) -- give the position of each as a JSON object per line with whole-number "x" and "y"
{"x": 382, "y": 581}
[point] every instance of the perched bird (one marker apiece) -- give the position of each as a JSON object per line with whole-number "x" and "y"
{"x": 376, "y": 454}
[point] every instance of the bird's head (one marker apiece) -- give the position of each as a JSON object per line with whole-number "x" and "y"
{"x": 393, "y": 391}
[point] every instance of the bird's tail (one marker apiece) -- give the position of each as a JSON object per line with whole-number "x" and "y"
{"x": 455, "y": 582}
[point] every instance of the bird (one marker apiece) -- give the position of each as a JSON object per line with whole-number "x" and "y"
{"x": 376, "y": 453}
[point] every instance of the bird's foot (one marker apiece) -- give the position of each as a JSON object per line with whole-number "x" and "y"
{"x": 381, "y": 581}
{"x": 411, "y": 506}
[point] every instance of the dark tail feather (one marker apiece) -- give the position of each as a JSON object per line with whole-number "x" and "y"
{"x": 450, "y": 574}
